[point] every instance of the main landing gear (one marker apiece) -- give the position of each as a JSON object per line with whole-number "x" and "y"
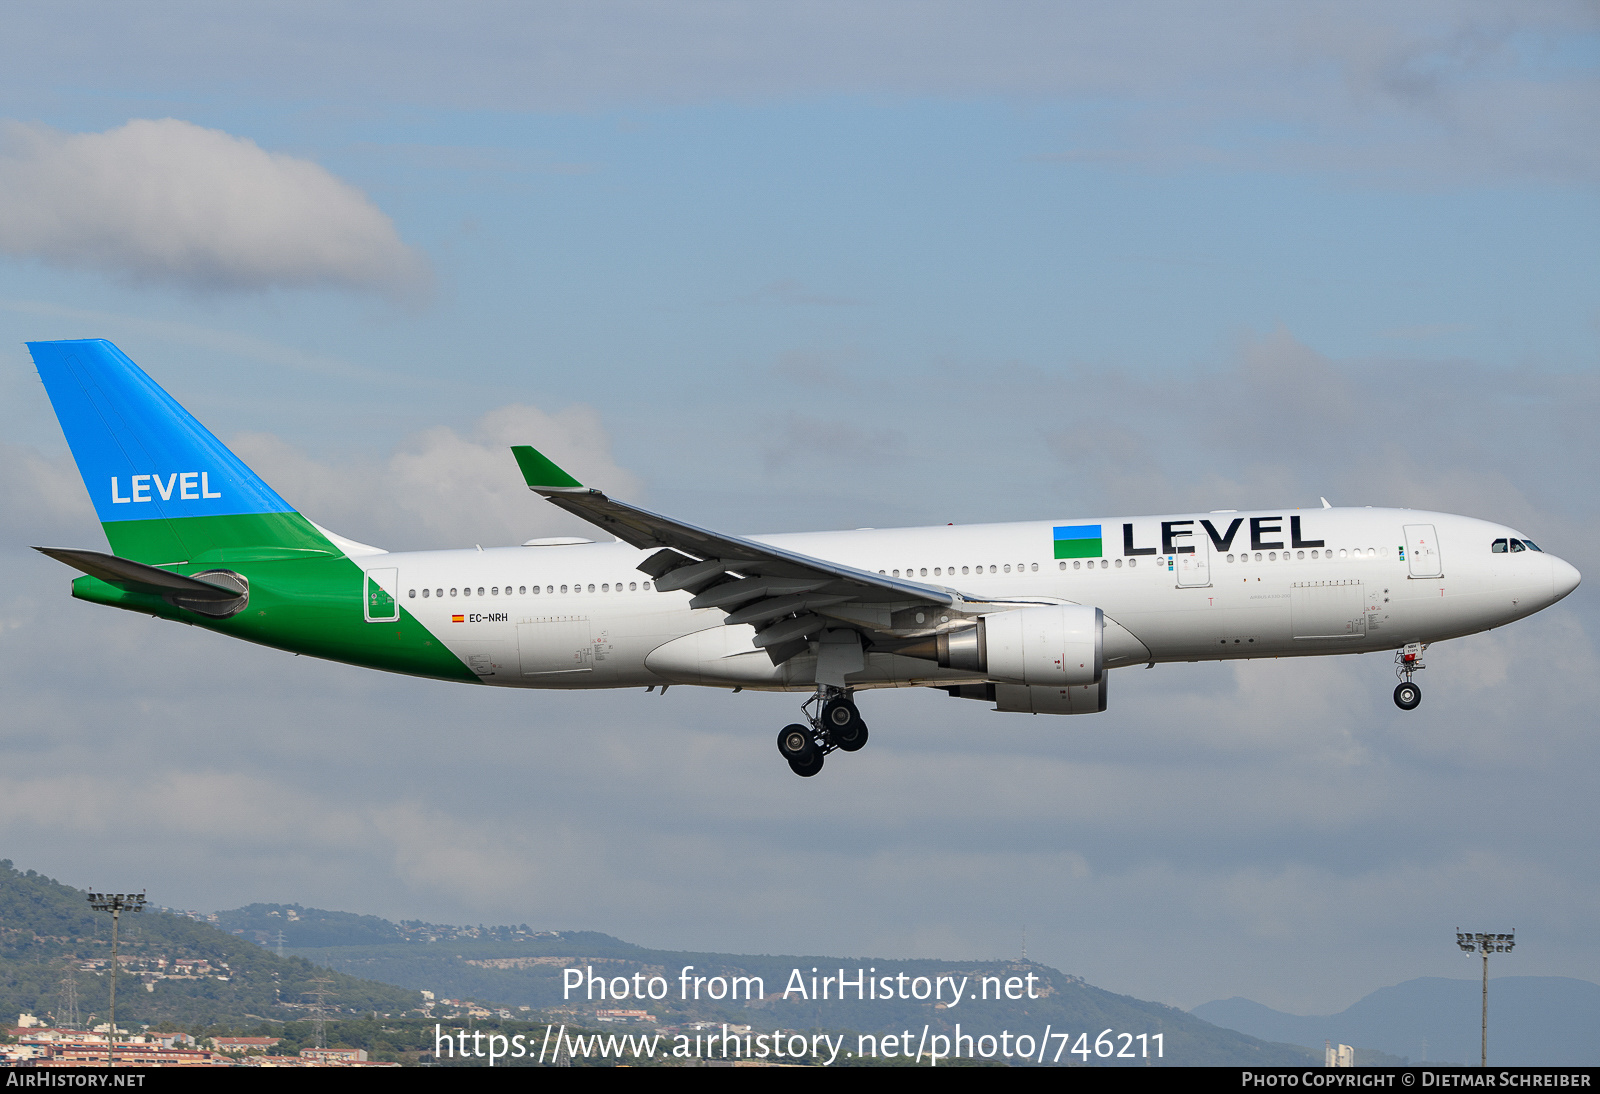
{"x": 1407, "y": 661}
{"x": 835, "y": 723}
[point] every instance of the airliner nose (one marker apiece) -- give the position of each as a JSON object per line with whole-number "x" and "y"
{"x": 1564, "y": 577}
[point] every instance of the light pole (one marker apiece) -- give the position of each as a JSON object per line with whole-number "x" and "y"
{"x": 1486, "y": 944}
{"x": 116, "y": 904}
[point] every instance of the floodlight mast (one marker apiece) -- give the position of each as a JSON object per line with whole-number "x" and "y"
{"x": 116, "y": 904}
{"x": 1486, "y": 944}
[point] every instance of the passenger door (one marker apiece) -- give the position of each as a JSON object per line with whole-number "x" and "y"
{"x": 1422, "y": 551}
{"x": 1193, "y": 571}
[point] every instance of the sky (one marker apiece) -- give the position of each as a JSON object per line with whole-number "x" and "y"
{"x": 790, "y": 266}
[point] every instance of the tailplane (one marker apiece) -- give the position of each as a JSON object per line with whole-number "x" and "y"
{"x": 166, "y": 490}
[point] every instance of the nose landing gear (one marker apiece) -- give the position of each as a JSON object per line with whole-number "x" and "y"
{"x": 1407, "y": 661}
{"x": 836, "y": 724}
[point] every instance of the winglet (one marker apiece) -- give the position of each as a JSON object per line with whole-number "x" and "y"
{"x": 540, "y": 473}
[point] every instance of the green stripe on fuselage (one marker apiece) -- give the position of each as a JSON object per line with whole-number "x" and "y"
{"x": 305, "y": 595}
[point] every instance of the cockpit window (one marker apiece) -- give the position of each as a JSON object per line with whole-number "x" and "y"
{"x": 1532, "y": 546}
{"x": 1516, "y": 546}
{"x": 1499, "y": 547}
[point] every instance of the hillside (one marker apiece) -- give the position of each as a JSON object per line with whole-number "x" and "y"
{"x": 1533, "y": 1021}
{"x": 217, "y": 971}
{"x": 175, "y": 969}
{"x": 518, "y": 966}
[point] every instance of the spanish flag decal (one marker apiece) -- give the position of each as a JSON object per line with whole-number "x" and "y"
{"x": 458, "y": 619}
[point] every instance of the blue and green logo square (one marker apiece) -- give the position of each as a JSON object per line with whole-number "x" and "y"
{"x": 1078, "y": 541}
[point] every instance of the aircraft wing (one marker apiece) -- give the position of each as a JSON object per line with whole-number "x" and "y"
{"x": 786, "y": 595}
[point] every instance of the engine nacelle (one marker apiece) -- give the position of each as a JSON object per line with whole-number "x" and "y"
{"x": 1052, "y": 646}
{"x": 1086, "y": 699}
{"x": 1021, "y": 699}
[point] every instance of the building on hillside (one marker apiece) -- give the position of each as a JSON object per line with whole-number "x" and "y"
{"x": 244, "y": 1044}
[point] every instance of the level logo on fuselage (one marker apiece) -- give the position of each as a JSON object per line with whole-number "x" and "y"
{"x": 1079, "y": 541}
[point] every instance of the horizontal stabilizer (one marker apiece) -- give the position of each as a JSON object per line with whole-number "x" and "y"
{"x": 138, "y": 576}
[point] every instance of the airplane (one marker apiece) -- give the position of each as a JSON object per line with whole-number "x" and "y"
{"x": 1028, "y": 616}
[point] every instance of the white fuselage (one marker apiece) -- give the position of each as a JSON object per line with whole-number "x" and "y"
{"x": 1172, "y": 589}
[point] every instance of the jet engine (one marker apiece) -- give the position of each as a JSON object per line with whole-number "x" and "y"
{"x": 1054, "y": 646}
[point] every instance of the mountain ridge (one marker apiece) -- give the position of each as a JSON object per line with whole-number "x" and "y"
{"x": 1533, "y": 1021}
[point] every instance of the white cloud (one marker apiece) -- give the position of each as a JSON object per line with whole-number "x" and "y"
{"x": 445, "y": 489}
{"x": 47, "y": 494}
{"x": 1280, "y": 423}
{"x": 168, "y": 201}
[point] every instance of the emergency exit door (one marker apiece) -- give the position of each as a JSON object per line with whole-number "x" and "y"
{"x": 381, "y": 600}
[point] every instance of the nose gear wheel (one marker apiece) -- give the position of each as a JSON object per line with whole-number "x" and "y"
{"x": 1406, "y": 662}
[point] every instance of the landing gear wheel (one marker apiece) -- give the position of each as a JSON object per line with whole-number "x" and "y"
{"x": 797, "y": 745}
{"x": 842, "y": 722}
{"x": 852, "y": 739}
{"x": 806, "y": 770}
{"x": 1407, "y": 696}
